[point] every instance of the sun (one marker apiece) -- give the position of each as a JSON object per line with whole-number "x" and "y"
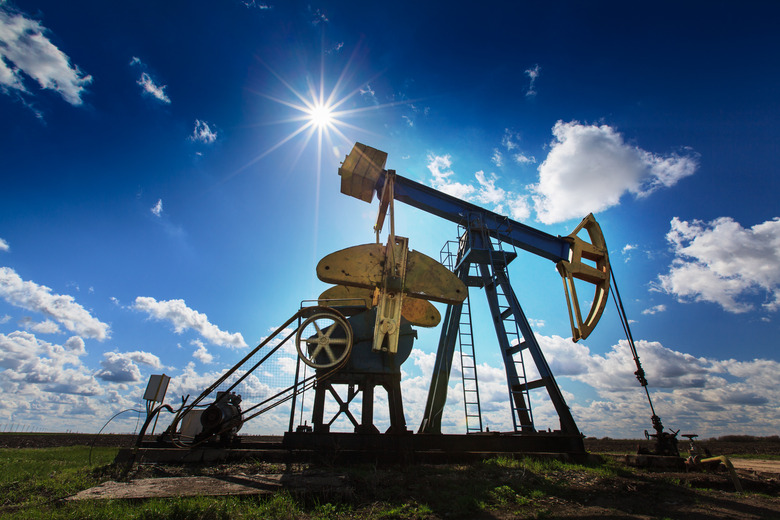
{"x": 321, "y": 116}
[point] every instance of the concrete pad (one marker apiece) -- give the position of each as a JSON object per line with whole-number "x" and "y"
{"x": 169, "y": 487}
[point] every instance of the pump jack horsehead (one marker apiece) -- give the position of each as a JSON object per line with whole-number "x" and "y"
{"x": 400, "y": 283}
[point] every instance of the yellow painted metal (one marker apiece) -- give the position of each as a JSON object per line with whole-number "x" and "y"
{"x": 356, "y": 266}
{"x": 428, "y": 279}
{"x": 597, "y": 274}
{"x": 361, "y": 170}
{"x": 420, "y": 312}
{"x": 730, "y": 467}
{"x": 416, "y": 311}
{"x": 346, "y": 295}
{"x": 363, "y": 266}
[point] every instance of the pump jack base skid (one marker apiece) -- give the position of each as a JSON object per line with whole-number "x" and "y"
{"x": 356, "y": 448}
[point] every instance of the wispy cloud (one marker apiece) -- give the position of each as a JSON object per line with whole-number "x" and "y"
{"x": 157, "y": 209}
{"x": 149, "y": 87}
{"x": 590, "y": 167}
{"x": 484, "y": 191}
{"x": 317, "y": 16}
{"x": 203, "y": 133}
{"x": 182, "y": 318}
{"x": 724, "y": 263}
{"x": 655, "y": 309}
{"x": 368, "y": 92}
{"x": 521, "y": 158}
{"x": 533, "y": 73}
{"x": 26, "y": 49}
{"x": 510, "y": 141}
{"x": 497, "y": 158}
{"x": 39, "y": 298}
{"x": 440, "y": 167}
{"x": 4, "y": 247}
{"x": 336, "y": 48}
{"x": 253, "y": 4}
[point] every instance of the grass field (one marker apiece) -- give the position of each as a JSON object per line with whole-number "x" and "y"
{"x": 33, "y": 483}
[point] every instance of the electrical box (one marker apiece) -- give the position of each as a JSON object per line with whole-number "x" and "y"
{"x": 157, "y": 387}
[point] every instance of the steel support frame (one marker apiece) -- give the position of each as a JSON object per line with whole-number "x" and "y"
{"x": 357, "y": 384}
{"x": 437, "y": 393}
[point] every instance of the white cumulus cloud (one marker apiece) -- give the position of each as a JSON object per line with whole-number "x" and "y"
{"x": 29, "y": 364}
{"x": 25, "y": 49}
{"x": 202, "y": 353}
{"x": 121, "y": 367}
{"x": 61, "y": 307}
{"x": 590, "y": 167}
{"x": 724, "y": 263}
{"x": 43, "y": 327}
{"x": 118, "y": 368}
{"x": 182, "y": 318}
{"x": 704, "y": 395}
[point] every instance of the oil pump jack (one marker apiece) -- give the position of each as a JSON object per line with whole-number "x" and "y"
{"x": 359, "y": 332}
{"x": 398, "y": 282}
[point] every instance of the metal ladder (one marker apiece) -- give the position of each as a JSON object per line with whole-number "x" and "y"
{"x": 468, "y": 366}
{"x": 468, "y": 360}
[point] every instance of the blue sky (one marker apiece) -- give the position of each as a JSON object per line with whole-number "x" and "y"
{"x": 165, "y": 197}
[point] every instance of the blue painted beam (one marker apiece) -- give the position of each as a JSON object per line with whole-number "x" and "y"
{"x": 451, "y": 208}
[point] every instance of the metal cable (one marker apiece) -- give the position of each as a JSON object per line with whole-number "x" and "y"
{"x": 640, "y": 373}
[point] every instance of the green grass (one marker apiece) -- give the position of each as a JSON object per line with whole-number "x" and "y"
{"x": 37, "y": 476}
{"x": 753, "y": 456}
{"x": 32, "y": 482}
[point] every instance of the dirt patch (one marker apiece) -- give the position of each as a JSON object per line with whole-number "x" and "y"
{"x": 223, "y": 485}
{"x": 770, "y": 468}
